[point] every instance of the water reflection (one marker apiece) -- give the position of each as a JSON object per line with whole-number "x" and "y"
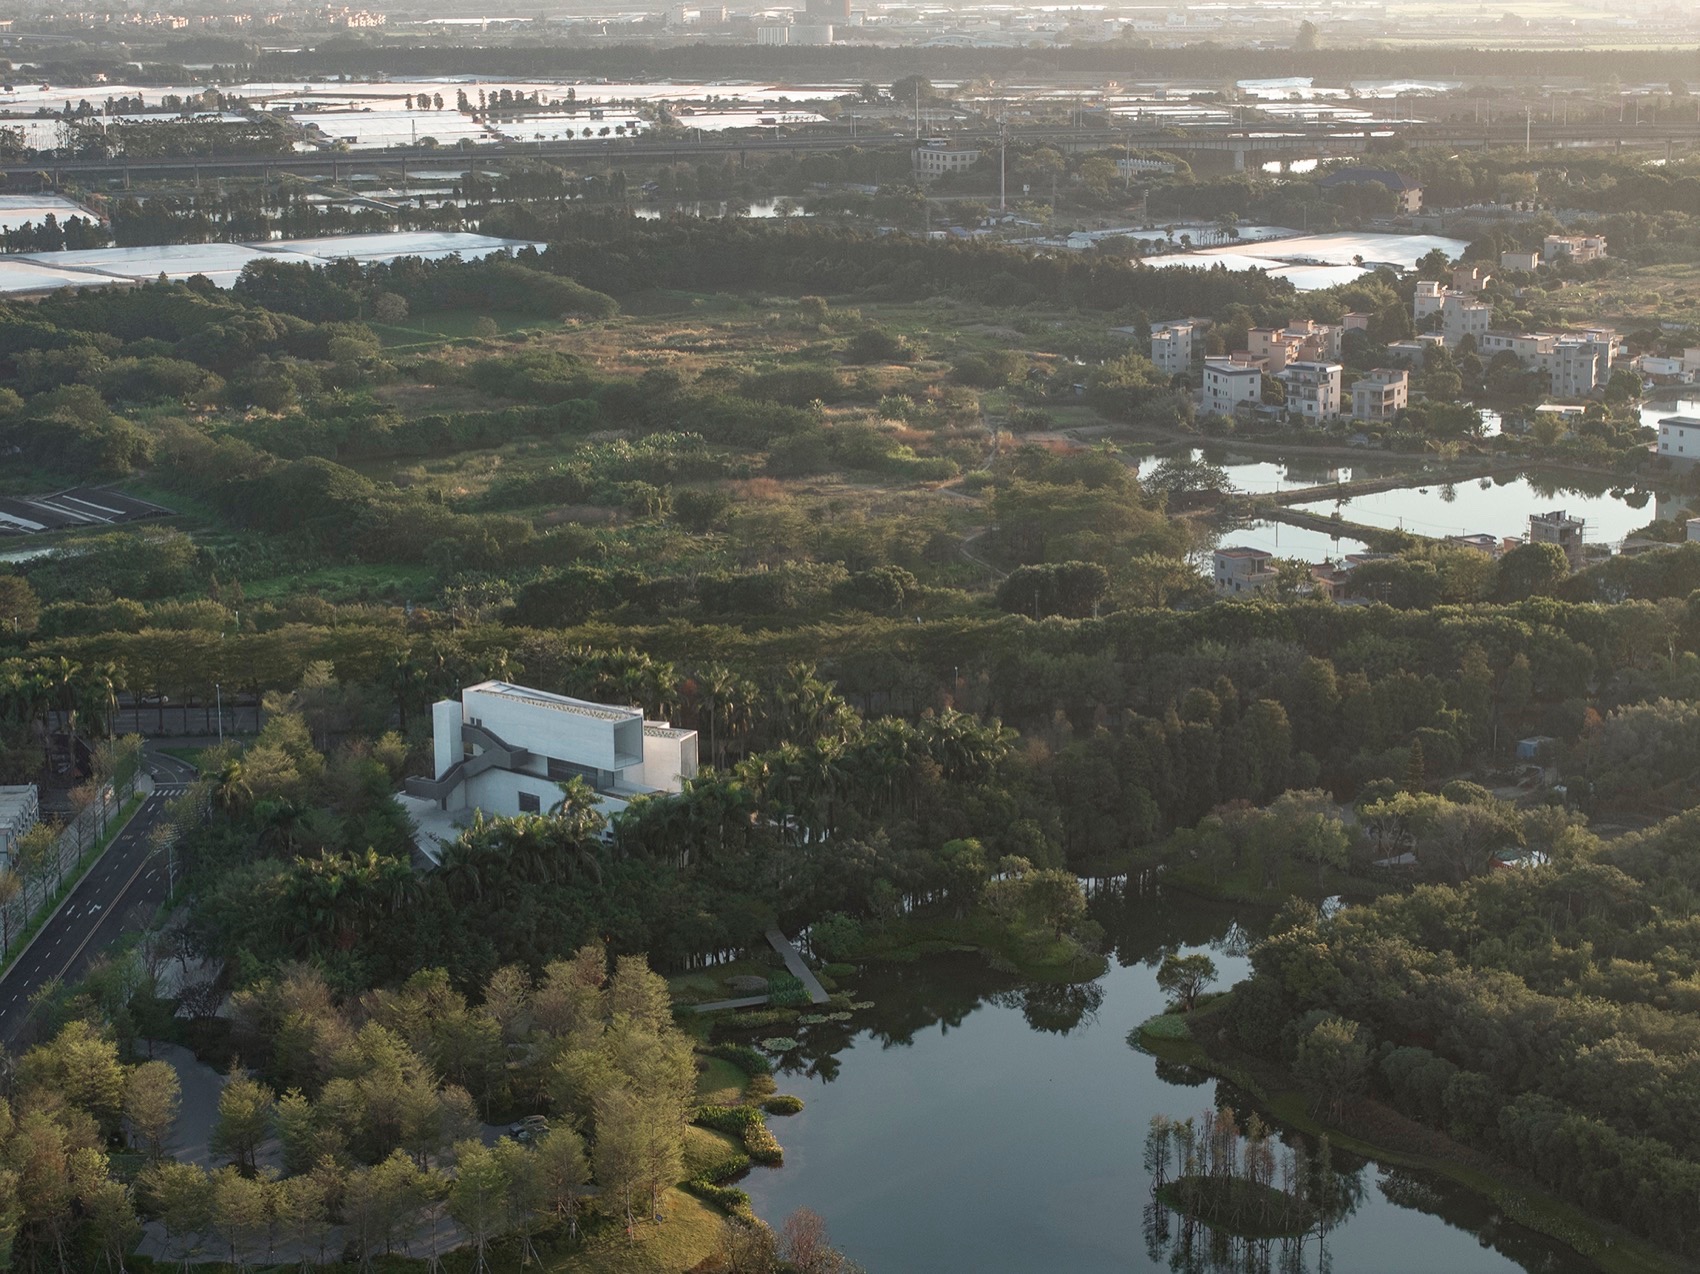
{"x": 973, "y": 1120}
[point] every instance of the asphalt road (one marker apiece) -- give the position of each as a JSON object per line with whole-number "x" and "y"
{"x": 120, "y": 892}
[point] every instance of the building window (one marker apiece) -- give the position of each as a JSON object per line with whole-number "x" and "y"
{"x": 529, "y": 803}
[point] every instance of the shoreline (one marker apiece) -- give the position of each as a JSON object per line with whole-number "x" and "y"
{"x": 1531, "y": 1206}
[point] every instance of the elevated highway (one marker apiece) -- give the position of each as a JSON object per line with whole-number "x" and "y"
{"x": 1305, "y": 141}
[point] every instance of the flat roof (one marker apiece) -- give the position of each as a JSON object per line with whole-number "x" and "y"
{"x": 664, "y": 731}
{"x": 559, "y": 703}
{"x": 1242, "y": 552}
{"x": 1680, "y": 420}
{"x": 14, "y": 801}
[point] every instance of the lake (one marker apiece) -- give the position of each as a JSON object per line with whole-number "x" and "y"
{"x": 971, "y": 1121}
{"x": 1501, "y": 507}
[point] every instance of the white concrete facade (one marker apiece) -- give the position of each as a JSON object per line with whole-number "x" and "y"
{"x": 505, "y": 750}
{"x": 1381, "y": 394}
{"x": 1171, "y": 347}
{"x": 1679, "y": 439}
{"x": 1573, "y": 247}
{"x": 934, "y": 161}
{"x": 1228, "y": 384}
{"x": 1242, "y": 572}
{"x": 1460, "y": 317}
{"x": 1313, "y": 390}
{"x": 1576, "y": 365}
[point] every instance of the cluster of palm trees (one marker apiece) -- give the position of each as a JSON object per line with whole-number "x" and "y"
{"x": 811, "y": 791}
{"x": 43, "y": 697}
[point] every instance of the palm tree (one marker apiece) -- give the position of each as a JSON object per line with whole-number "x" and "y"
{"x": 231, "y": 791}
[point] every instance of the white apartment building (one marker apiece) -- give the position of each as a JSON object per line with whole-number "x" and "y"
{"x": 936, "y": 159}
{"x": 1578, "y": 248}
{"x": 1430, "y": 296}
{"x": 1313, "y": 390}
{"x": 1461, "y": 317}
{"x": 20, "y": 810}
{"x": 1523, "y": 262}
{"x": 1243, "y": 572}
{"x": 1227, "y": 384}
{"x": 1171, "y": 347}
{"x": 1679, "y": 439}
{"x": 1460, "y": 314}
{"x": 1381, "y": 394}
{"x": 1576, "y": 364}
{"x": 505, "y": 750}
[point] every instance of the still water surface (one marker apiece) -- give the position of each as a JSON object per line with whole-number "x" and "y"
{"x": 973, "y": 1122}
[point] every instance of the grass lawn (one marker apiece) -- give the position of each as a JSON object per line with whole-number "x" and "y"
{"x": 194, "y": 756}
{"x": 702, "y": 985}
{"x": 722, "y": 1084}
{"x": 684, "y": 1239}
{"x": 338, "y": 583}
{"x": 705, "y": 1148}
{"x": 433, "y": 329}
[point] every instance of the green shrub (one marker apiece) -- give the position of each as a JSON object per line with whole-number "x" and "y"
{"x": 782, "y": 1104}
{"x": 838, "y": 969}
{"x": 785, "y": 989}
{"x": 752, "y": 1061}
{"x": 1166, "y": 1026}
{"x": 746, "y": 1122}
{"x": 732, "y": 1120}
{"x": 728, "y": 1199}
{"x": 761, "y": 1086}
{"x": 762, "y": 1145}
{"x": 758, "y": 1020}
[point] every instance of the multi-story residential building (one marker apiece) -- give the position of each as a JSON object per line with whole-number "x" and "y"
{"x": 1522, "y": 262}
{"x": 20, "y": 810}
{"x": 1460, "y": 314}
{"x": 1313, "y": 390}
{"x": 506, "y": 749}
{"x": 1299, "y": 341}
{"x": 1578, "y": 248}
{"x": 1243, "y": 572}
{"x": 1171, "y": 346}
{"x": 1461, "y": 317}
{"x": 1576, "y": 364}
{"x": 1679, "y": 439}
{"x": 1561, "y": 529}
{"x": 1381, "y": 394}
{"x": 1415, "y": 350}
{"x": 1228, "y": 384}
{"x": 1430, "y": 296}
{"x": 1578, "y": 367}
{"x": 1481, "y": 542}
{"x": 1470, "y": 278}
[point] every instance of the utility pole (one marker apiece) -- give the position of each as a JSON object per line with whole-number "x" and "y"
{"x": 1003, "y": 168}
{"x": 218, "y": 694}
{"x": 1528, "y": 128}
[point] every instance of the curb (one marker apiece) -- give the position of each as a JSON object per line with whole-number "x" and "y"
{"x": 16, "y": 958}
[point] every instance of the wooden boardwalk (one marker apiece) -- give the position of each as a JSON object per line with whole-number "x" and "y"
{"x": 794, "y": 962}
